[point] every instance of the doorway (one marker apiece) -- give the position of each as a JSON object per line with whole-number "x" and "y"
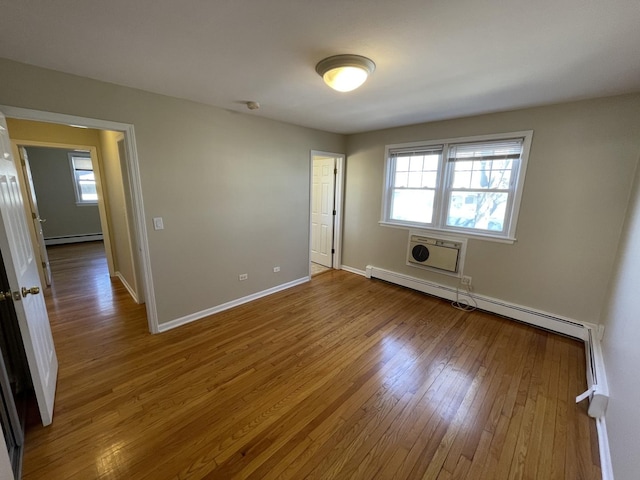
{"x": 59, "y": 183}
{"x": 327, "y": 180}
{"x": 125, "y": 142}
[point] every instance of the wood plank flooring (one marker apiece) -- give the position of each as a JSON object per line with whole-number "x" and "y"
{"x": 342, "y": 377}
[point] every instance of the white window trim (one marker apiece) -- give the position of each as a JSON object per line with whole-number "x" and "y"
{"x": 507, "y": 237}
{"x": 79, "y": 201}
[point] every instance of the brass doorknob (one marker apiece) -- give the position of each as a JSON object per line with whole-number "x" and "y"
{"x": 32, "y": 291}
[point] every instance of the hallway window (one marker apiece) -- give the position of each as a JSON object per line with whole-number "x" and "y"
{"x": 84, "y": 180}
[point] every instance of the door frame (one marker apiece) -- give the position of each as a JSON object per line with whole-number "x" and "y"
{"x": 143, "y": 259}
{"x": 336, "y": 260}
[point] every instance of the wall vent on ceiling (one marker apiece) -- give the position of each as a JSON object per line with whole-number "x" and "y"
{"x": 440, "y": 254}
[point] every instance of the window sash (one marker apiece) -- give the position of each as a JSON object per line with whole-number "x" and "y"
{"x": 492, "y": 203}
{"x": 81, "y": 168}
{"x": 496, "y": 196}
{"x": 424, "y": 164}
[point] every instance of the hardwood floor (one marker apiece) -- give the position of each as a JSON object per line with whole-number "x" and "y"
{"x": 341, "y": 377}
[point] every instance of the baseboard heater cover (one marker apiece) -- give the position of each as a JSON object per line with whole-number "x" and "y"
{"x": 597, "y": 391}
{"x": 88, "y": 237}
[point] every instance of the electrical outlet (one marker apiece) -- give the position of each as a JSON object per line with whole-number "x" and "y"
{"x": 465, "y": 280}
{"x": 276, "y": 269}
{"x": 243, "y": 276}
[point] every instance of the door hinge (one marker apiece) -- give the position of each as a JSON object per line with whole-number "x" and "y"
{"x": 335, "y": 213}
{"x": 33, "y": 215}
{"x": 22, "y": 162}
{"x": 44, "y": 264}
{"x": 335, "y": 171}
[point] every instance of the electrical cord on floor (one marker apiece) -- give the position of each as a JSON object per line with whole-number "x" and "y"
{"x": 463, "y": 304}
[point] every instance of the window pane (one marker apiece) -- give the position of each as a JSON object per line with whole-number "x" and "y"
{"x": 431, "y": 162}
{"x": 415, "y": 179}
{"x": 461, "y": 179}
{"x": 402, "y": 164}
{"x": 88, "y": 192}
{"x": 412, "y": 205}
{"x": 463, "y": 165}
{"x": 402, "y": 179}
{"x": 480, "y": 179}
{"x": 82, "y": 163}
{"x": 416, "y": 164}
{"x": 429, "y": 179}
{"x": 500, "y": 179}
{"x": 477, "y": 210}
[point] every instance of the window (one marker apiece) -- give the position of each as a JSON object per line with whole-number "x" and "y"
{"x": 467, "y": 185}
{"x": 84, "y": 180}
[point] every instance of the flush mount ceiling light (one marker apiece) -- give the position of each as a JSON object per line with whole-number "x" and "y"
{"x": 345, "y": 72}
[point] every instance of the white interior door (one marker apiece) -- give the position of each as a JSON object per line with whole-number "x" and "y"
{"x": 22, "y": 270}
{"x": 35, "y": 215}
{"x": 322, "y": 208}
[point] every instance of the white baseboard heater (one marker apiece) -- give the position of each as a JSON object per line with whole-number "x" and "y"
{"x": 597, "y": 391}
{"x": 85, "y": 237}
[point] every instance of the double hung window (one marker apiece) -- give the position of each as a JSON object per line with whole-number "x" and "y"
{"x": 84, "y": 179}
{"x": 468, "y": 185}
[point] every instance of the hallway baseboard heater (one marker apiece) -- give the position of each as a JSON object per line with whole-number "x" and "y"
{"x": 88, "y": 237}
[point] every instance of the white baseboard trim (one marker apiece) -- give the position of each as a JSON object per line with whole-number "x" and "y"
{"x": 92, "y": 237}
{"x": 163, "y": 327}
{"x": 353, "y": 270}
{"x": 131, "y": 291}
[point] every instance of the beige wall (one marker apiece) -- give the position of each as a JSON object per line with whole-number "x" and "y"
{"x": 577, "y": 187}
{"x": 121, "y": 236}
{"x": 233, "y": 189}
{"x": 621, "y": 347}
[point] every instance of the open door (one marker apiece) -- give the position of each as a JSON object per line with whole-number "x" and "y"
{"x": 35, "y": 215}
{"x": 323, "y": 210}
{"x": 24, "y": 280}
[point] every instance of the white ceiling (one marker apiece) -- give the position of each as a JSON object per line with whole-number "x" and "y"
{"x": 436, "y": 59}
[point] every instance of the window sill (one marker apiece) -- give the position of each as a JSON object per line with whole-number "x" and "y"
{"x": 479, "y": 236}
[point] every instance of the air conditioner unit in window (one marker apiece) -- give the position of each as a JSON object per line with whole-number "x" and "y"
{"x": 443, "y": 255}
